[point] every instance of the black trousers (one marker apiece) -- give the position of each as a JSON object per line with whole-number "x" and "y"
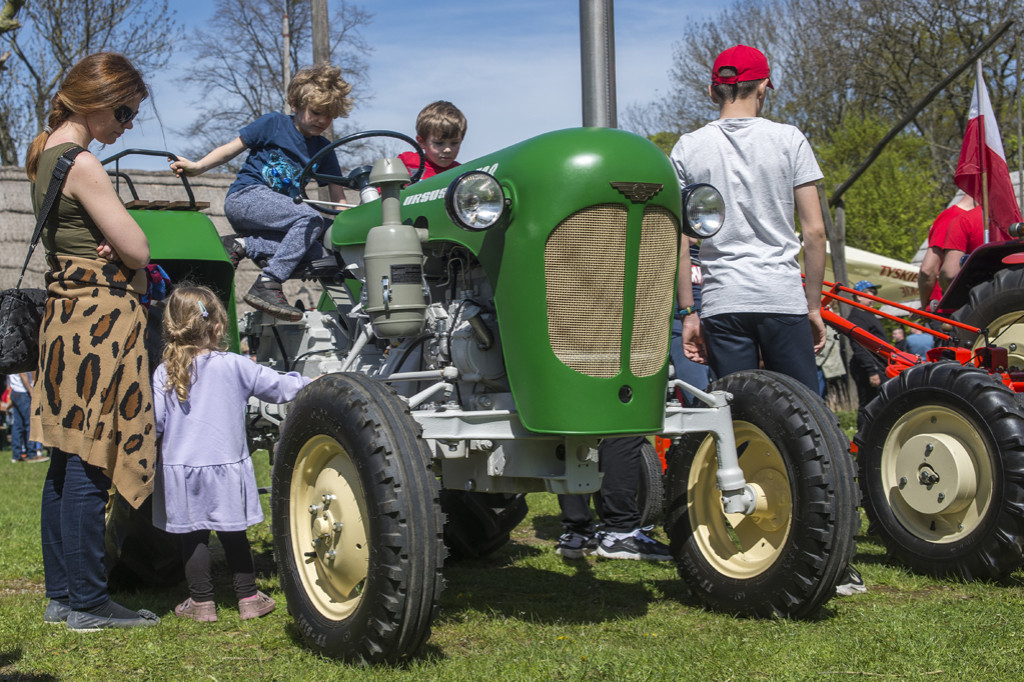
{"x": 865, "y": 393}
{"x": 620, "y": 461}
{"x": 195, "y": 552}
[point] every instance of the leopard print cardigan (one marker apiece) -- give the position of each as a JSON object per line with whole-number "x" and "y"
{"x": 93, "y": 397}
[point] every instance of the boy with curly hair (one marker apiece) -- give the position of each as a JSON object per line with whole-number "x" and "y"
{"x": 259, "y": 204}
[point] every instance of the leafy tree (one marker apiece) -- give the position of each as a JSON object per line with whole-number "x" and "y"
{"x": 238, "y": 66}
{"x": 891, "y": 207}
{"x": 56, "y": 34}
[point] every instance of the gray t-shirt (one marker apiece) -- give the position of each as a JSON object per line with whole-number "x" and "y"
{"x": 751, "y": 264}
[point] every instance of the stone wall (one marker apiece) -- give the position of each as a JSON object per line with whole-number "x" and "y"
{"x": 17, "y": 222}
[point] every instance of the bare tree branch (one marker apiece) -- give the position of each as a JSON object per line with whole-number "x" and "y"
{"x": 238, "y": 66}
{"x": 56, "y": 34}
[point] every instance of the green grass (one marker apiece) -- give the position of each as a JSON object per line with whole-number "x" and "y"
{"x": 525, "y": 614}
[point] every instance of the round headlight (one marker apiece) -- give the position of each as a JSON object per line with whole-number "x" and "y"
{"x": 475, "y": 201}
{"x": 703, "y": 210}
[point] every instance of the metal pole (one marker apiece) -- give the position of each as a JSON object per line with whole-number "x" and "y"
{"x": 597, "y": 61}
{"x": 286, "y": 61}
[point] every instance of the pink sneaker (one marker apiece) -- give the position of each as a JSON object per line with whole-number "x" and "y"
{"x": 203, "y": 611}
{"x": 255, "y": 606}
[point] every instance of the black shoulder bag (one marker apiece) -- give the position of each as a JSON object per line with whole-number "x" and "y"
{"x": 21, "y": 310}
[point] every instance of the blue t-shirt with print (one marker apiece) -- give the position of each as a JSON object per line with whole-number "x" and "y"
{"x": 277, "y": 154}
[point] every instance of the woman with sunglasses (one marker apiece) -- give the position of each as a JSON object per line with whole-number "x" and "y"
{"x": 92, "y": 405}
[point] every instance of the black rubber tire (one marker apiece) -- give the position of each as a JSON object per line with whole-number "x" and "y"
{"x": 997, "y": 305}
{"x": 976, "y": 424}
{"x": 650, "y": 493}
{"x": 785, "y": 562}
{"x": 374, "y": 598}
{"x": 137, "y": 554}
{"x": 478, "y": 524}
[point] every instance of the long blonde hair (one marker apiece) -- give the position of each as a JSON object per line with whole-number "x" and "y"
{"x": 194, "y": 322}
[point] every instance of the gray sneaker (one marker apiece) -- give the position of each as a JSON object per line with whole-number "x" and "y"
{"x": 235, "y": 248}
{"x": 573, "y": 545}
{"x": 80, "y": 621}
{"x": 633, "y": 545}
{"x": 267, "y": 295}
{"x": 851, "y": 583}
{"x": 56, "y": 613}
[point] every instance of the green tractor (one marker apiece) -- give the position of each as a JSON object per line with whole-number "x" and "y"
{"x": 478, "y": 333}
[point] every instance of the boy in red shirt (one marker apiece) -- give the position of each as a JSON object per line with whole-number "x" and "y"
{"x": 440, "y": 128}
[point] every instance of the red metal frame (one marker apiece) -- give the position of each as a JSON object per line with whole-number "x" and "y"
{"x": 992, "y": 358}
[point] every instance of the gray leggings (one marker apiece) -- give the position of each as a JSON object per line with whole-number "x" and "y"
{"x": 274, "y": 226}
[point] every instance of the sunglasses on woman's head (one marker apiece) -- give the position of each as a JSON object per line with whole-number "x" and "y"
{"x": 124, "y": 114}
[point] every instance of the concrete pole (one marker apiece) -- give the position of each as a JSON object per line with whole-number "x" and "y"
{"x": 597, "y": 61}
{"x": 321, "y": 36}
{"x": 321, "y": 55}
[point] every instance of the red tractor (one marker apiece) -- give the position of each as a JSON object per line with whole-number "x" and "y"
{"x": 941, "y": 453}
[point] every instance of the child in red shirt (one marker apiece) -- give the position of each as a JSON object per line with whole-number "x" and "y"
{"x": 440, "y": 128}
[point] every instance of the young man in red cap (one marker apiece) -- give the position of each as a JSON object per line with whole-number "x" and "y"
{"x": 754, "y": 305}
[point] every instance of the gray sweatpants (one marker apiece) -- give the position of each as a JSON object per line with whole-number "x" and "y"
{"x": 274, "y": 226}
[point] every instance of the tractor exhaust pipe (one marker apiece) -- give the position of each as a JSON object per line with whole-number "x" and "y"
{"x": 597, "y": 61}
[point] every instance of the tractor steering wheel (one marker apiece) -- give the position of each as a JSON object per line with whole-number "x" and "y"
{"x": 310, "y": 170}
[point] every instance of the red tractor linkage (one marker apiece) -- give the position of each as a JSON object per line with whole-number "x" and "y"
{"x": 941, "y": 452}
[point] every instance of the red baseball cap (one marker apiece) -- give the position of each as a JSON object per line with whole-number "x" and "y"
{"x": 749, "y": 62}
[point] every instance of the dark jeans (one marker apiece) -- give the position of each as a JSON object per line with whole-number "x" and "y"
{"x": 195, "y": 552}
{"x": 620, "y": 461}
{"x": 737, "y": 341}
{"x": 21, "y": 412}
{"x": 73, "y": 527}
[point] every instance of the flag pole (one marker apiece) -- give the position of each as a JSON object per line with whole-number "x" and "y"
{"x": 1020, "y": 135}
{"x": 978, "y": 80}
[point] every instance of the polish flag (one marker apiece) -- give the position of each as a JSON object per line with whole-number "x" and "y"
{"x": 982, "y": 152}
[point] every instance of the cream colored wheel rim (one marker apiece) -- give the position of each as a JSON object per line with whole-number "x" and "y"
{"x": 1007, "y": 331}
{"x": 736, "y": 545}
{"x": 937, "y": 474}
{"x": 329, "y": 527}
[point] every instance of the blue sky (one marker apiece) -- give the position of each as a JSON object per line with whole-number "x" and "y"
{"x": 512, "y": 67}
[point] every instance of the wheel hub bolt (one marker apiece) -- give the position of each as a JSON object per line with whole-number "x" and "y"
{"x": 330, "y": 554}
{"x": 928, "y": 449}
{"x": 337, "y": 526}
{"x": 928, "y": 477}
{"x": 942, "y": 496}
{"x": 903, "y": 481}
{"x": 328, "y": 499}
{"x": 314, "y": 509}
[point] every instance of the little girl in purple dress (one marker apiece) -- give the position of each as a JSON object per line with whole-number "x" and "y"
{"x": 205, "y": 481}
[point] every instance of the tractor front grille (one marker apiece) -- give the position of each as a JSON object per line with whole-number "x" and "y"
{"x": 655, "y": 291}
{"x": 585, "y": 273}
